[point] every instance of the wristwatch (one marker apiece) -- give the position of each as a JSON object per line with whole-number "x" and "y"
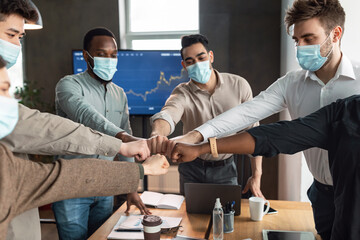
{"x": 213, "y": 147}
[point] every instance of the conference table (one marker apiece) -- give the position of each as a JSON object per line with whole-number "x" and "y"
{"x": 291, "y": 216}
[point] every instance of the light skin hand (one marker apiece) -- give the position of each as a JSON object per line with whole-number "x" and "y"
{"x": 138, "y": 149}
{"x": 156, "y": 165}
{"x": 134, "y": 199}
{"x": 190, "y": 137}
{"x": 254, "y": 181}
{"x": 156, "y": 143}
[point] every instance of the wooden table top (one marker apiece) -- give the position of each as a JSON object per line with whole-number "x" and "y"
{"x": 193, "y": 225}
{"x": 291, "y": 216}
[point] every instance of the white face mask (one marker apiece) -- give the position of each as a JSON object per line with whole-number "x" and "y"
{"x": 9, "y": 52}
{"x": 104, "y": 68}
{"x": 9, "y": 115}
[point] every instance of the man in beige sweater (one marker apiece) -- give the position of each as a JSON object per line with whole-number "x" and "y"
{"x": 25, "y": 184}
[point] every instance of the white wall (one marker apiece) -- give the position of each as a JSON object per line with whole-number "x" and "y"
{"x": 293, "y": 183}
{"x": 351, "y": 40}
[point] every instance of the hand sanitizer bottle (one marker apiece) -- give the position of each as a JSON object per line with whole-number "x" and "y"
{"x": 218, "y": 221}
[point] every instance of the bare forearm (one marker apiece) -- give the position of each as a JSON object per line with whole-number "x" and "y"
{"x": 192, "y": 137}
{"x": 125, "y": 137}
{"x": 256, "y": 166}
{"x": 242, "y": 143}
{"x": 160, "y": 127}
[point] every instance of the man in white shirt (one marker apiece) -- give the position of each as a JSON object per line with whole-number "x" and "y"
{"x": 327, "y": 75}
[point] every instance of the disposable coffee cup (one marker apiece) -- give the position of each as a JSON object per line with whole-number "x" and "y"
{"x": 152, "y": 227}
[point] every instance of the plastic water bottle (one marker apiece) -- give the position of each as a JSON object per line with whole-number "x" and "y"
{"x": 218, "y": 221}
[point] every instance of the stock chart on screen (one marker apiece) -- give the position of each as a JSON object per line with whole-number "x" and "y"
{"x": 147, "y": 77}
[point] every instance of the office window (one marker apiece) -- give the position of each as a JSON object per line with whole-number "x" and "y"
{"x": 16, "y": 75}
{"x": 158, "y": 24}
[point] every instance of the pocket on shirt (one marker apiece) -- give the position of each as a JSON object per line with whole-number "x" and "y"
{"x": 118, "y": 115}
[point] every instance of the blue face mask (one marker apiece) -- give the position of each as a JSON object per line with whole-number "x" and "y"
{"x": 104, "y": 68}
{"x": 9, "y": 114}
{"x": 200, "y": 72}
{"x": 9, "y": 52}
{"x": 309, "y": 57}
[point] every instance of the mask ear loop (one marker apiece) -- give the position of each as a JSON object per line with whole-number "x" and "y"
{"x": 91, "y": 58}
{"x": 332, "y": 46}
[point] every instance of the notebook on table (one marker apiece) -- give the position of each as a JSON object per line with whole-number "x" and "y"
{"x": 200, "y": 197}
{"x": 159, "y": 200}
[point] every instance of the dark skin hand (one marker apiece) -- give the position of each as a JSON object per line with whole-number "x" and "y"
{"x": 242, "y": 143}
{"x": 134, "y": 199}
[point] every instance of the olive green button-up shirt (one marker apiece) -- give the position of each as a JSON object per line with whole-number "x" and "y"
{"x": 86, "y": 100}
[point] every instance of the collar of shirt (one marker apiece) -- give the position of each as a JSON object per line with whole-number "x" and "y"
{"x": 345, "y": 69}
{"x": 93, "y": 81}
{"x": 195, "y": 88}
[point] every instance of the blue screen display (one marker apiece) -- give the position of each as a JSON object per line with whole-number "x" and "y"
{"x": 147, "y": 77}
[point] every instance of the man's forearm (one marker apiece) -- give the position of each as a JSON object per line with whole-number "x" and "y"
{"x": 256, "y": 166}
{"x": 44, "y": 133}
{"x": 125, "y": 137}
{"x": 54, "y": 182}
{"x": 242, "y": 143}
{"x": 160, "y": 127}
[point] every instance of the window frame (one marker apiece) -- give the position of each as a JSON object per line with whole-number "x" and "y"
{"x": 129, "y": 36}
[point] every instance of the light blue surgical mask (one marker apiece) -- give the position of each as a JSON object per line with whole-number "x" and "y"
{"x": 104, "y": 68}
{"x": 200, "y": 72}
{"x": 9, "y": 52}
{"x": 309, "y": 57}
{"x": 9, "y": 115}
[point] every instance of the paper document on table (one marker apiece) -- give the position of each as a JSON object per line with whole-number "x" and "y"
{"x": 133, "y": 223}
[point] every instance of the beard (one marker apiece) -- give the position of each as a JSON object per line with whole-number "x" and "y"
{"x": 327, "y": 51}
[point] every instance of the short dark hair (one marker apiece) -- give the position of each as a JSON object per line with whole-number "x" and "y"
{"x": 2, "y": 63}
{"x": 101, "y": 31}
{"x": 189, "y": 40}
{"x": 23, "y": 8}
{"x": 329, "y": 12}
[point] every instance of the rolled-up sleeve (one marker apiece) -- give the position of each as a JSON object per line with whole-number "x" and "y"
{"x": 173, "y": 109}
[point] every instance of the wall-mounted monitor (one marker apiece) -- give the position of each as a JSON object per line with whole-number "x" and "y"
{"x": 147, "y": 77}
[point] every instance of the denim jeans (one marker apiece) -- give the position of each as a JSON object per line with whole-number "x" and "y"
{"x": 78, "y": 218}
{"x": 194, "y": 172}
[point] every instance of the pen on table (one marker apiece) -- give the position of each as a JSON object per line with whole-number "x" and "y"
{"x": 232, "y": 206}
{"x": 127, "y": 230}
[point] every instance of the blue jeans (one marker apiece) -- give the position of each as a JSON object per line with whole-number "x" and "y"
{"x": 78, "y": 218}
{"x": 322, "y": 202}
{"x": 195, "y": 172}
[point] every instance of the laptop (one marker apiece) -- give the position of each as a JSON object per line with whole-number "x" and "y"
{"x": 200, "y": 197}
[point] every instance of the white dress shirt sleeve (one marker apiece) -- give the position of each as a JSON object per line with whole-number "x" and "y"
{"x": 268, "y": 102}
